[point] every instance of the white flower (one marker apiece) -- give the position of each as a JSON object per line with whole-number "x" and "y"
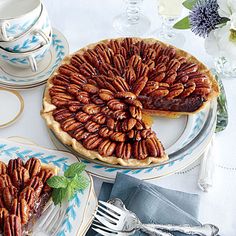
{"x": 219, "y": 43}
{"x": 226, "y": 8}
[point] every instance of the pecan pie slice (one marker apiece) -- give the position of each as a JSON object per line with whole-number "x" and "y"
{"x": 22, "y": 195}
{"x": 97, "y": 98}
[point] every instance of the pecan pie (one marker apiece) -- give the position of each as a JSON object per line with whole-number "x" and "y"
{"x": 23, "y": 194}
{"x": 97, "y": 98}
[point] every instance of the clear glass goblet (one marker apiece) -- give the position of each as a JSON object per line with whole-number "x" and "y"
{"x": 170, "y": 10}
{"x": 132, "y": 22}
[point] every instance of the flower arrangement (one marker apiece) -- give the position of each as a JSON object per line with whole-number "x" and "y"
{"x": 214, "y": 20}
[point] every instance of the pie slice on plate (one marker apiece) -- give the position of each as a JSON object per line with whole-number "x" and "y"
{"x": 23, "y": 194}
{"x": 98, "y": 98}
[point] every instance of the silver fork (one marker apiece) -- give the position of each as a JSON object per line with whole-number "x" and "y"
{"x": 50, "y": 220}
{"x": 117, "y": 220}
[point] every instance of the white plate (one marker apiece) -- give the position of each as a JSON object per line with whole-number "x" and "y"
{"x": 9, "y": 114}
{"x": 184, "y": 138}
{"x": 11, "y": 76}
{"x": 76, "y": 215}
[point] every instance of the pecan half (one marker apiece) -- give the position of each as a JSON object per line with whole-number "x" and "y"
{"x": 188, "y": 89}
{"x": 97, "y": 100}
{"x": 175, "y": 90}
{"x": 129, "y": 75}
{"x": 8, "y": 195}
{"x": 12, "y": 226}
{"x": 73, "y": 89}
{"x": 37, "y": 184}
{"x": 28, "y": 194}
{"x": 68, "y": 70}
{"x": 90, "y": 88}
{"x": 155, "y": 148}
{"x": 21, "y": 209}
{"x": 120, "y": 84}
{"x": 92, "y": 126}
{"x": 5, "y": 181}
{"x": 87, "y": 70}
{"x": 135, "y": 61}
{"x": 61, "y": 114}
{"x": 120, "y": 115}
{"x": 91, "y": 109}
{"x": 3, "y": 215}
{"x": 128, "y": 124}
{"x": 3, "y": 168}
{"x": 123, "y": 150}
{"x": 78, "y": 79}
{"x": 105, "y": 132}
{"x": 107, "y": 111}
{"x": 80, "y": 133}
{"x": 92, "y": 141}
{"x": 116, "y": 104}
{"x": 82, "y": 116}
{"x": 139, "y": 85}
{"x": 150, "y": 87}
{"x": 20, "y": 177}
{"x": 118, "y": 137}
{"x": 134, "y": 102}
{"x": 33, "y": 165}
{"x": 44, "y": 175}
{"x": 135, "y": 112}
{"x": 142, "y": 70}
{"x": 14, "y": 164}
{"x": 119, "y": 62}
{"x": 111, "y": 123}
{"x": 139, "y": 150}
{"x": 99, "y": 118}
{"x": 70, "y": 124}
{"x": 106, "y": 148}
{"x": 83, "y": 97}
{"x": 106, "y": 94}
{"x": 125, "y": 95}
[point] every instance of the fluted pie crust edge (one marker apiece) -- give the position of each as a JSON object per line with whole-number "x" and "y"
{"x": 48, "y": 108}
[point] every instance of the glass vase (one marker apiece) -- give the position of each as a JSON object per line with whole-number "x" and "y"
{"x": 225, "y": 67}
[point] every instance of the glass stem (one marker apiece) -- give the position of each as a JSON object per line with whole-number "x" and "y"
{"x": 167, "y": 29}
{"x": 133, "y": 11}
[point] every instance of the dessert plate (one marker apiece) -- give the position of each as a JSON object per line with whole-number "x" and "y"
{"x": 184, "y": 138}
{"x": 18, "y": 78}
{"x": 9, "y": 114}
{"x": 76, "y": 215}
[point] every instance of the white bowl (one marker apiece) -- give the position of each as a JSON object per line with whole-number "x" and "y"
{"x": 35, "y": 37}
{"x": 25, "y": 59}
{"x": 17, "y": 16}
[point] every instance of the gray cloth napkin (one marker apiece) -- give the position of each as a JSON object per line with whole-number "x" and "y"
{"x": 151, "y": 203}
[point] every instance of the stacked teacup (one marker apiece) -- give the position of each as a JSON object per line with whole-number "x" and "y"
{"x": 25, "y": 32}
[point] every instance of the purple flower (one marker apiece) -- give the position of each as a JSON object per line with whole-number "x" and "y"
{"x": 204, "y": 17}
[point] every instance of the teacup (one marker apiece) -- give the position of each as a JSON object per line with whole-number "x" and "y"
{"x": 17, "y": 16}
{"x": 35, "y": 37}
{"x": 25, "y": 59}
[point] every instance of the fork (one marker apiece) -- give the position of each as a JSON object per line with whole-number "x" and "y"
{"x": 116, "y": 220}
{"x": 50, "y": 220}
{"x": 121, "y": 219}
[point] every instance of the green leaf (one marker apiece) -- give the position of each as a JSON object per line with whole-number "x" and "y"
{"x": 58, "y": 195}
{"x": 76, "y": 168}
{"x": 183, "y": 24}
{"x": 189, "y": 4}
{"x": 58, "y": 182}
{"x": 78, "y": 183}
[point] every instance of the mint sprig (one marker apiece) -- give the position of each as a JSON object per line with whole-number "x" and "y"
{"x": 65, "y": 187}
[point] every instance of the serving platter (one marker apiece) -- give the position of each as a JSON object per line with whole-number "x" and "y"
{"x": 78, "y": 212}
{"x": 184, "y": 138}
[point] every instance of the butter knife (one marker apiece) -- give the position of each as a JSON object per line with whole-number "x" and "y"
{"x": 207, "y": 167}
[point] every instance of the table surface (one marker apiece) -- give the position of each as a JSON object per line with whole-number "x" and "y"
{"x": 87, "y": 21}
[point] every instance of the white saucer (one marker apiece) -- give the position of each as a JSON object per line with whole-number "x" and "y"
{"x": 10, "y": 112}
{"x": 18, "y": 78}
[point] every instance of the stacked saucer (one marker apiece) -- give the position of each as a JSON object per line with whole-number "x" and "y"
{"x": 30, "y": 49}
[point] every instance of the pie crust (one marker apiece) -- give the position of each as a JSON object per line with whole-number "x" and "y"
{"x": 48, "y": 108}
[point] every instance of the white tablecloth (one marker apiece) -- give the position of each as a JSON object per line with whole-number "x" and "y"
{"x": 87, "y": 21}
